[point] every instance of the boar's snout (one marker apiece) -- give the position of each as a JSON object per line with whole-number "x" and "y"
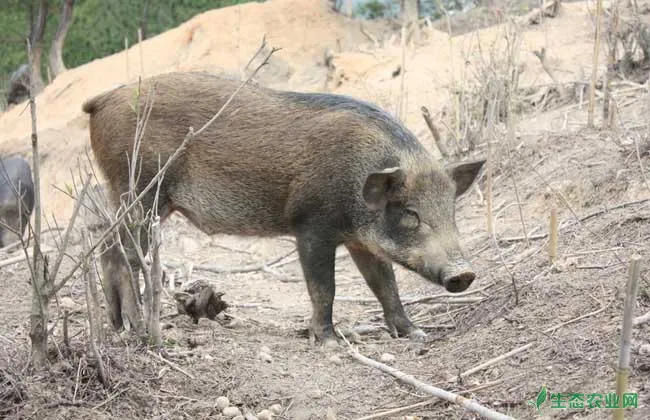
{"x": 458, "y": 276}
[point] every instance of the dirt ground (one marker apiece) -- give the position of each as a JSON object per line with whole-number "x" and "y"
{"x": 258, "y": 354}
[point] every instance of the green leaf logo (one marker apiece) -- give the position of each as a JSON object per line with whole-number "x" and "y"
{"x": 541, "y": 397}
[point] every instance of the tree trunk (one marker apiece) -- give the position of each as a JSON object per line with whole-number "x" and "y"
{"x": 144, "y": 18}
{"x": 346, "y": 8}
{"x": 155, "y": 334}
{"x": 57, "y": 66}
{"x": 410, "y": 11}
{"x": 36, "y": 40}
{"x": 40, "y": 315}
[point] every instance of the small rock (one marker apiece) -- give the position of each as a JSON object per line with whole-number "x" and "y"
{"x": 264, "y": 415}
{"x": 316, "y": 394}
{"x": 265, "y": 357}
{"x": 276, "y": 409}
{"x": 235, "y": 323}
{"x": 222, "y": 402}
{"x": 265, "y": 349}
{"x": 336, "y": 360}
{"x": 387, "y": 358}
{"x": 231, "y": 412}
{"x": 250, "y": 416}
{"x": 67, "y": 303}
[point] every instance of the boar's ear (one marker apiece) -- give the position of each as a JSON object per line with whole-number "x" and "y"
{"x": 381, "y": 186}
{"x": 464, "y": 174}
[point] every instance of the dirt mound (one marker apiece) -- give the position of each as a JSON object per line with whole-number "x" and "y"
{"x": 219, "y": 41}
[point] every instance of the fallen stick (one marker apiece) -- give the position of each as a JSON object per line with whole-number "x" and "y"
{"x": 550, "y": 9}
{"x": 450, "y": 300}
{"x": 398, "y": 410}
{"x": 525, "y": 347}
{"x": 20, "y": 258}
{"x": 467, "y": 404}
{"x": 171, "y": 365}
{"x": 420, "y": 299}
{"x": 243, "y": 269}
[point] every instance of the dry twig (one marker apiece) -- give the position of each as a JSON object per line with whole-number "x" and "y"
{"x": 398, "y": 410}
{"x": 467, "y": 404}
{"x": 525, "y": 347}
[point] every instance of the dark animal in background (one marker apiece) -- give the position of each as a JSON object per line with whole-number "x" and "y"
{"x": 16, "y": 198}
{"x": 328, "y": 169}
{"x": 18, "y": 88}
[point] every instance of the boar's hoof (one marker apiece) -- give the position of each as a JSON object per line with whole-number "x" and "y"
{"x": 330, "y": 343}
{"x": 417, "y": 335}
{"x": 459, "y": 282}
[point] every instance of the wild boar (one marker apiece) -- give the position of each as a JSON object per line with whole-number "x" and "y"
{"x": 16, "y": 198}
{"x": 327, "y": 169}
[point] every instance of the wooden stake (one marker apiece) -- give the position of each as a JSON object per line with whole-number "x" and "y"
{"x": 126, "y": 56}
{"x": 626, "y": 335}
{"x": 594, "y": 69}
{"x": 141, "y": 53}
{"x": 611, "y": 61}
{"x": 552, "y": 251}
{"x": 402, "y": 107}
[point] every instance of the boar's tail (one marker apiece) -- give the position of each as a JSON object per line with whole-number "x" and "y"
{"x": 90, "y": 105}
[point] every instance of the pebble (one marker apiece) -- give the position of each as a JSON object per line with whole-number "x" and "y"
{"x": 336, "y": 360}
{"x": 264, "y": 415}
{"x": 231, "y": 412}
{"x": 67, "y": 303}
{"x": 222, "y": 402}
{"x": 265, "y": 349}
{"x": 644, "y": 349}
{"x": 316, "y": 394}
{"x": 387, "y": 358}
{"x": 276, "y": 409}
{"x": 265, "y": 357}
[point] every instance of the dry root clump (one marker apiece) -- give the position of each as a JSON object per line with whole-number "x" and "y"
{"x": 199, "y": 300}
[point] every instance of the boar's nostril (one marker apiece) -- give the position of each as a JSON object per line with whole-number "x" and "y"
{"x": 459, "y": 282}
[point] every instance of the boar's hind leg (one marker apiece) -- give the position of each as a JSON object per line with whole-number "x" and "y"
{"x": 380, "y": 277}
{"x": 317, "y": 260}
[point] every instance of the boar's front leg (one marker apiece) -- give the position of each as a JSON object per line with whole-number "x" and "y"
{"x": 317, "y": 256}
{"x": 380, "y": 277}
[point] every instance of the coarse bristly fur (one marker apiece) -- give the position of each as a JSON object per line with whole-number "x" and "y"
{"x": 16, "y": 198}
{"x": 329, "y": 169}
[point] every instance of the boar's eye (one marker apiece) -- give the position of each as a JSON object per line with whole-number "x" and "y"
{"x": 410, "y": 219}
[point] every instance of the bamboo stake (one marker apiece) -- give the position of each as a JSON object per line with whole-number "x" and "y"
{"x": 611, "y": 61}
{"x": 594, "y": 69}
{"x": 626, "y": 335}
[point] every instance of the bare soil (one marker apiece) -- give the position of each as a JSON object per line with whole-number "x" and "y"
{"x": 556, "y": 161}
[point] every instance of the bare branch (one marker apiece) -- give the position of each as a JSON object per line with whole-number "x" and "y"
{"x": 470, "y": 405}
{"x": 66, "y": 239}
